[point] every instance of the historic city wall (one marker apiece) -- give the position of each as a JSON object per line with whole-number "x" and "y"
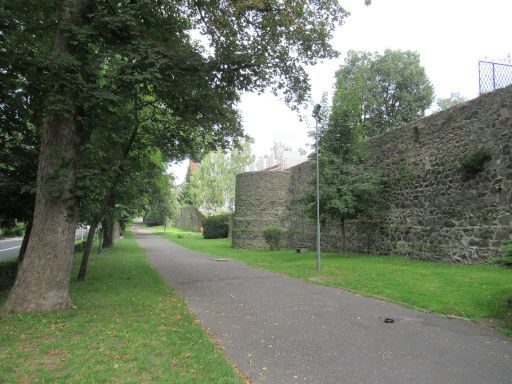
{"x": 262, "y": 199}
{"x": 434, "y": 209}
{"x": 190, "y": 218}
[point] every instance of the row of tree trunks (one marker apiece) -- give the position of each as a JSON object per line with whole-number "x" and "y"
{"x": 106, "y": 234}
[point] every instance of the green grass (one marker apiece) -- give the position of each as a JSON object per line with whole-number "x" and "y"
{"x": 128, "y": 327}
{"x": 477, "y": 292}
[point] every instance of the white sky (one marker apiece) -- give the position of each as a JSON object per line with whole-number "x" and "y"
{"x": 450, "y": 36}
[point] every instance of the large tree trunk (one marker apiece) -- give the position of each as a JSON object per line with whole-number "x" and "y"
{"x": 43, "y": 278}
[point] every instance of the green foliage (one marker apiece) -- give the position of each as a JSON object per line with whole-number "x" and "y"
{"x": 380, "y": 92}
{"x": 348, "y": 188}
{"x": 504, "y": 261}
{"x": 212, "y": 184}
{"x": 273, "y": 236}
{"x": 18, "y": 229}
{"x": 8, "y": 271}
{"x": 448, "y": 102}
{"x": 473, "y": 161}
{"x": 374, "y": 93}
{"x": 162, "y": 204}
{"x": 216, "y": 227}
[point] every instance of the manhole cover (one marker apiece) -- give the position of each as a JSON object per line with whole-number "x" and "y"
{"x": 390, "y": 319}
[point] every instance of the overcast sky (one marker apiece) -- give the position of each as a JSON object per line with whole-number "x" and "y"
{"x": 450, "y": 36}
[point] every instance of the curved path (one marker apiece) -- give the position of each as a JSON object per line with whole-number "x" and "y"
{"x": 282, "y": 330}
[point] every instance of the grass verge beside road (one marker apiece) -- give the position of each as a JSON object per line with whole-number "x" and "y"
{"x": 477, "y": 292}
{"x": 128, "y": 327}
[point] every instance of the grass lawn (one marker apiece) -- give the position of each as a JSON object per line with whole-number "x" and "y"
{"x": 128, "y": 327}
{"x": 478, "y": 292}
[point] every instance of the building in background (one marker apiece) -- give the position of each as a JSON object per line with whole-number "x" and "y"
{"x": 278, "y": 161}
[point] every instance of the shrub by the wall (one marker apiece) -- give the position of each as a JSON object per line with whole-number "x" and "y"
{"x": 216, "y": 227}
{"x": 273, "y": 236}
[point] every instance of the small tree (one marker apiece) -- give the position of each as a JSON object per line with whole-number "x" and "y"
{"x": 273, "y": 236}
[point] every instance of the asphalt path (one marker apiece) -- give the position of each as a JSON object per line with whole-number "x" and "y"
{"x": 283, "y": 330}
{"x": 10, "y": 248}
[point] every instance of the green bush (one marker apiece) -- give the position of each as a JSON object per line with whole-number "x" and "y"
{"x": 8, "y": 270}
{"x": 273, "y": 236}
{"x": 216, "y": 227}
{"x": 473, "y": 162}
{"x": 17, "y": 230}
{"x": 505, "y": 261}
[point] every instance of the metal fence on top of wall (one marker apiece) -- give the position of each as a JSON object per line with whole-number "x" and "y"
{"x": 493, "y": 76}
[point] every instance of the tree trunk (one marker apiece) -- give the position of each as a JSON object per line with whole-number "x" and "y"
{"x": 44, "y": 275}
{"x": 87, "y": 251}
{"x": 108, "y": 233}
{"x": 108, "y": 199}
{"x": 100, "y": 239}
{"x": 43, "y": 278}
{"x": 343, "y": 237}
{"x": 24, "y": 243}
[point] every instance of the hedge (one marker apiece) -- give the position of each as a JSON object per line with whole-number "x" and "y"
{"x": 216, "y": 227}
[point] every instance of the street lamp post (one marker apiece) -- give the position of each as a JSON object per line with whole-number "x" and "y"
{"x": 316, "y": 115}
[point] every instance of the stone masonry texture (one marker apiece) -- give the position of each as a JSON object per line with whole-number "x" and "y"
{"x": 190, "y": 218}
{"x": 434, "y": 208}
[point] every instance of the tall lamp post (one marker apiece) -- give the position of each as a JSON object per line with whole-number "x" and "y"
{"x": 316, "y": 115}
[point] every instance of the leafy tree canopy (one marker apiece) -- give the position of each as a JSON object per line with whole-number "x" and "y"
{"x": 384, "y": 90}
{"x": 212, "y": 185}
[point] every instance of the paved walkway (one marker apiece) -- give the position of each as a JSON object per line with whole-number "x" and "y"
{"x": 281, "y": 330}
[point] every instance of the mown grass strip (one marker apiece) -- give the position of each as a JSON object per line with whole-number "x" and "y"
{"x": 477, "y": 292}
{"x": 128, "y": 327}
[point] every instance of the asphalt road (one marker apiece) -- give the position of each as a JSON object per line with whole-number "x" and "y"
{"x": 282, "y": 330}
{"x": 9, "y": 248}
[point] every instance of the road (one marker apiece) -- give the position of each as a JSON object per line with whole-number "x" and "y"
{"x": 9, "y": 248}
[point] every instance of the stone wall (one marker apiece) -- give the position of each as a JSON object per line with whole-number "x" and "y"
{"x": 434, "y": 209}
{"x": 190, "y": 218}
{"x": 262, "y": 199}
